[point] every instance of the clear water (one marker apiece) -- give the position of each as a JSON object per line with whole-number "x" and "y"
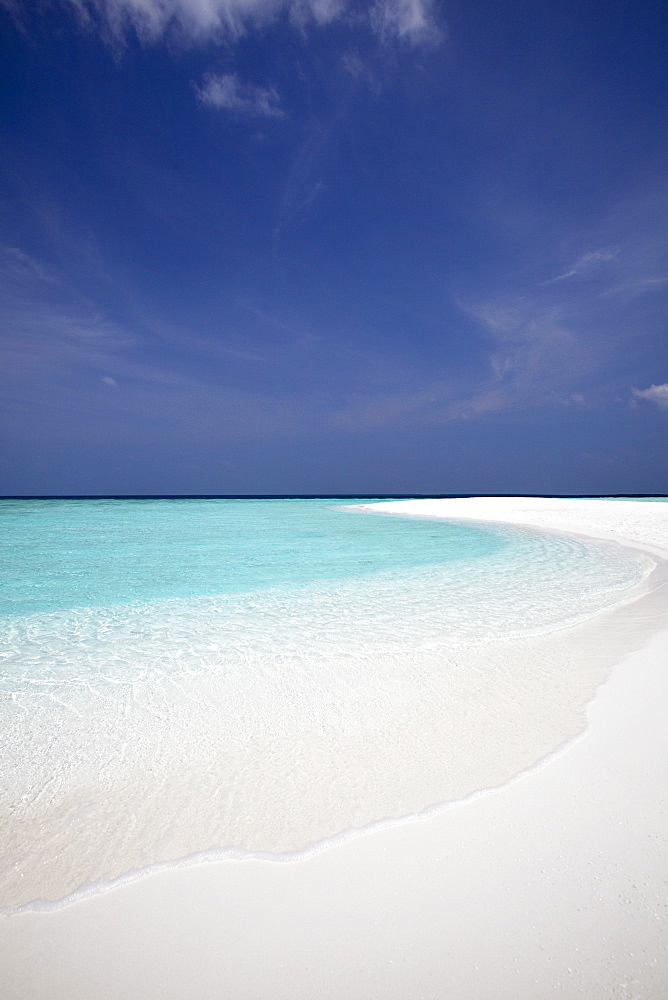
{"x": 642, "y": 499}
{"x": 182, "y": 676}
{"x": 58, "y": 554}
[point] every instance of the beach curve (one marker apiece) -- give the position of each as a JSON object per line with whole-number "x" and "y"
{"x": 449, "y": 849}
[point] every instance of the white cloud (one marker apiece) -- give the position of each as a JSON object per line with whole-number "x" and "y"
{"x": 412, "y": 21}
{"x": 584, "y": 262}
{"x": 108, "y": 380}
{"x": 194, "y": 20}
{"x": 354, "y": 65}
{"x": 655, "y": 394}
{"x": 227, "y": 20}
{"x": 320, "y": 11}
{"x": 228, "y": 92}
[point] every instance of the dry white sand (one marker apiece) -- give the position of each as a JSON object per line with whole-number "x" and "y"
{"x": 641, "y": 524}
{"x": 555, "y": 885}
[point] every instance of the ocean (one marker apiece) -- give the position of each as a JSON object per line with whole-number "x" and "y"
{"x": 193, "y": 678}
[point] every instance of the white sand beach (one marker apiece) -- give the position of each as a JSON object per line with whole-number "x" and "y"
{"x": 553, "y": 885}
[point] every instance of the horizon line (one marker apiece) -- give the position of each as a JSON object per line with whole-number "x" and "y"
{"x": 318, "y": 496}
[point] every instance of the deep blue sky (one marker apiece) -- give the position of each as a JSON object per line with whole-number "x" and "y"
{"x": 260, "y": 246}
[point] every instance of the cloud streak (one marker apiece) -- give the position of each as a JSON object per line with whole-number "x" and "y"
{"x": 20, "y": 267}
{"x": 584, "y": 263}
{"x": 226, "y": 91}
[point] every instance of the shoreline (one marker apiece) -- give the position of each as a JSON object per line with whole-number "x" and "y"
{"x": 583, "y": 517}
{"x": 444, "y": 864}
{"x": 550, "y": 643}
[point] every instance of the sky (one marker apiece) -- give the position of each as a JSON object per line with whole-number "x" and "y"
{"x": 333, "y": 246}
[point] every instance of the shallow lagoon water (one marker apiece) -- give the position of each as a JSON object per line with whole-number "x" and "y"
{"x": 61, "y": 554}
{"x": 262, "y": 676}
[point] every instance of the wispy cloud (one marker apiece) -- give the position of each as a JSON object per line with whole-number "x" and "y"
{"x": 584, "y": 263}
{"x": 226, "y": 91}
{"x": 531, "y": 343}
{"x": 320, "y": 11}
{"x": 413, "y": 21}
{"x": 565, "y": 342}
{"x": 354, "y": 64}
{"x": 485, "y": 402}
{"x": 636, "y": 285}
{"x": 655, "y": 394}
{"x": 19, "y": 266}
{"x": 302, "y": 186}
{"x": 67, "y": 363}
{"x": 191, "y": 20}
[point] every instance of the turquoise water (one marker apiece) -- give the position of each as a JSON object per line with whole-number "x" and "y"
{"x": 58, "y": 554}
{"x": 258, "y": 676}
{"x": 642, "y": 499}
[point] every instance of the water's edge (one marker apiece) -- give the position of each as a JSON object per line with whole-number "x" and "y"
{"x": 630, "y": 623}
